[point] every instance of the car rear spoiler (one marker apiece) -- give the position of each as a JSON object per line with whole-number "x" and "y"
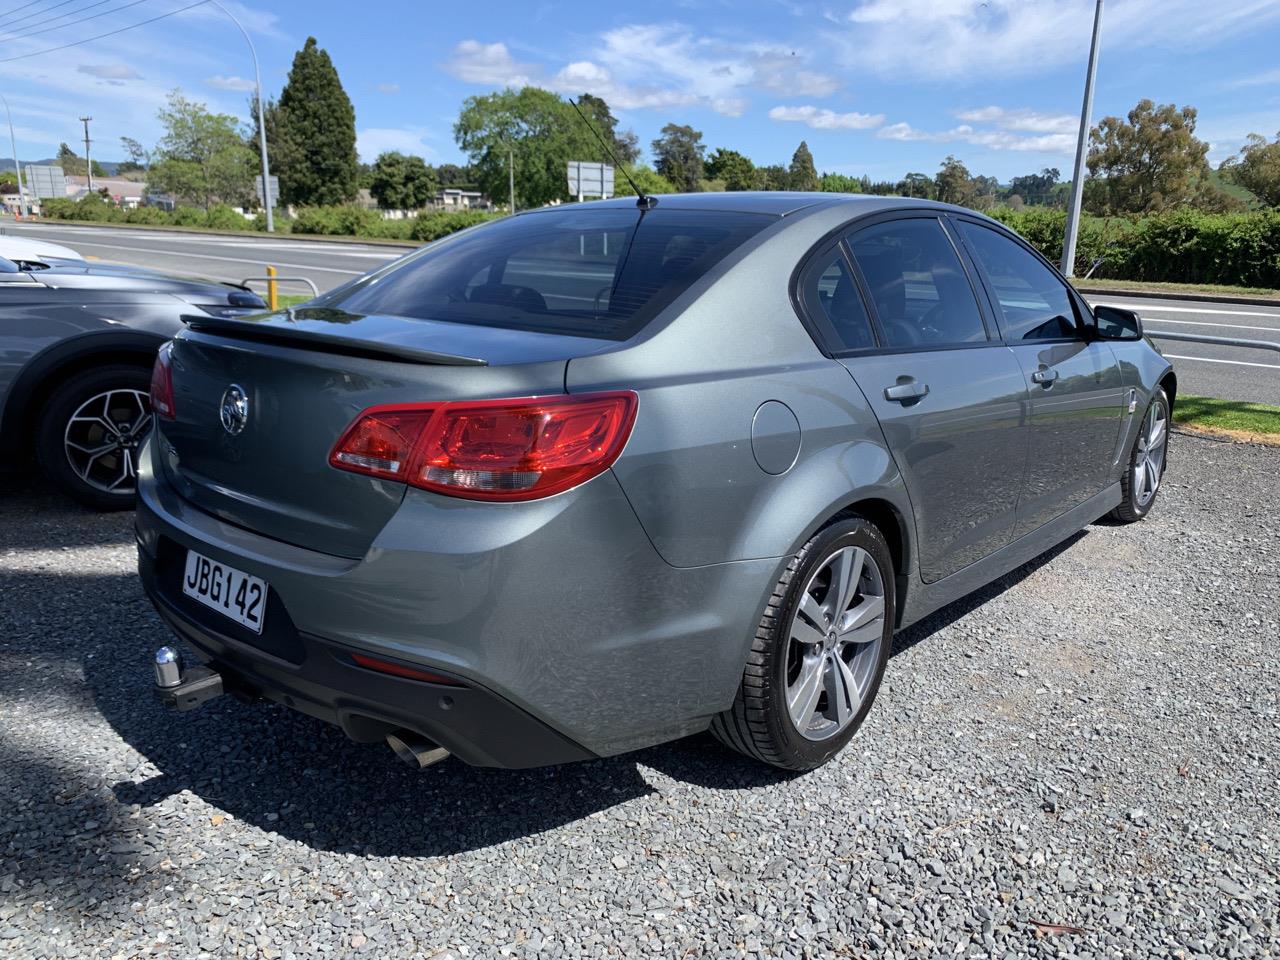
{"x": 294, "y": 336}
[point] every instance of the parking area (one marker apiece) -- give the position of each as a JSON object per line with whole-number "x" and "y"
{"x": 1080, "y": 760}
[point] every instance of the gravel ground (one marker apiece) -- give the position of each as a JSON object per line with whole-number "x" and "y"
{"x": 1091, "y": 742}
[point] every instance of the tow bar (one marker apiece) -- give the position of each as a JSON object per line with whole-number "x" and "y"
{"x": 180, "y": 688}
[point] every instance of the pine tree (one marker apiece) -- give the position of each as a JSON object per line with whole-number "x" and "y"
{"x": 803, "y": 174}
{"x": 315, "y": 132}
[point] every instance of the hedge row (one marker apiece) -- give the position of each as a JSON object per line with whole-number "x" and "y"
{"x": 346, "y": 221}
{"x": 1187, "y": 246}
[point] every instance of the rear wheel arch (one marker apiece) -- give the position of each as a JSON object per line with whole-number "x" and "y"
{"x": 888, "y": 518}
{"x": 1170, "y": 384}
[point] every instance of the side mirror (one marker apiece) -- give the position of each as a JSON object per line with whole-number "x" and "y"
{"x": 1112, "y": 323}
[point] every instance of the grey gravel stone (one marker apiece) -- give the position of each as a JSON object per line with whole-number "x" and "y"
{"x": 1091, "y": 742}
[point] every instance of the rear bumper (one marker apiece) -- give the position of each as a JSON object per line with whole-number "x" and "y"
{"x": 571, "y": 636}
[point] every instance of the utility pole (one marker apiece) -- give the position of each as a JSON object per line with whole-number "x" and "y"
{"x": 88, "y": 164}
{"x": 1082, "y": 146}
{"x": 17, "y": 167}
{"x": 267, "y": 198}
{"x": 511, "y": 177}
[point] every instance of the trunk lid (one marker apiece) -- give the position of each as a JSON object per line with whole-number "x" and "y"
{"x": 304, "y": 386}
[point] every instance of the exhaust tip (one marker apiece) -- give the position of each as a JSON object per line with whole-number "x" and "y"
{"x": 417, "y": 751}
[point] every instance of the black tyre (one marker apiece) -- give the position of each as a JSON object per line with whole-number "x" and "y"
{"x": 1147, "y": 460}
{"x": 89, "y": 434}
{"x": 819, "y": 652}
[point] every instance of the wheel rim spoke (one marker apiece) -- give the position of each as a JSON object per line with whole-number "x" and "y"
{"x": 846, "y": 571}
{"x": 803, "y": 632}
{"x": 802, "y": 698}
{"x": 101, "y": 439}
{"x": 868, "y": 610}
{"x": 842, "y": 691}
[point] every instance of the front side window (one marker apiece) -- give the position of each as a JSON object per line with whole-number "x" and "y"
{"x": 593, "y": 273}
{"x": 1034, "y": 303}
{"x": 831, "y": 291}
{"x": 921, "y": 293}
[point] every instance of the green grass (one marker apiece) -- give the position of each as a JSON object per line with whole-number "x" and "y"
{"x": 293, "y": 299}
{"x": 1227, "y": 416}
{"x": 1210, "y": 289}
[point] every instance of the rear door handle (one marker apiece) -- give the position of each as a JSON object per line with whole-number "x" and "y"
{"x": 1044, "y": 377}
{"x": 906, "y": 390}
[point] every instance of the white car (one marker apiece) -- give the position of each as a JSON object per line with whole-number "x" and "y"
{"x": 26, "y": 249}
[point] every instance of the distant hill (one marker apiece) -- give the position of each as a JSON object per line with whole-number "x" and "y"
{"x": 110, "y": 166}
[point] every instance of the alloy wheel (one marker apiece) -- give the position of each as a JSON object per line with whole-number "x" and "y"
{"x": 103, "y": 437}
{"x": 834, "y": 643}
{"x": 1148, "y": 465}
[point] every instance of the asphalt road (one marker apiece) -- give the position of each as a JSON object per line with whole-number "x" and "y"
{"x": 1230, "y": 373}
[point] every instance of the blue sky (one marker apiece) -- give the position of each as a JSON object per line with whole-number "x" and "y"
{"x": 875, "y": 86}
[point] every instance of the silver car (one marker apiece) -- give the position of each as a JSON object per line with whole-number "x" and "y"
{"x": 595, "y": 477}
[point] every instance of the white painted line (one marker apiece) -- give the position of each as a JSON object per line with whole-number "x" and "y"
{"x": 1197, "y": 323}
{"x": 1238, "y": 363}
{"x": 1163, "y": 309}
{"x": 209, "y": 256}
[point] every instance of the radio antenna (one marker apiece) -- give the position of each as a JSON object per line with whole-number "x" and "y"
{"x": 643, "y": 200}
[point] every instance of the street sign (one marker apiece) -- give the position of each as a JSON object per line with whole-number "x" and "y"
{"x": 275, "y": 190}
{"x": 590, "y": 179}
{"x": 45, "y": 181}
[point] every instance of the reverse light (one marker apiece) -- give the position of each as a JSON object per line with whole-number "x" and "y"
{"x": 162, "y": 384}
{"x": 521, "y": 449}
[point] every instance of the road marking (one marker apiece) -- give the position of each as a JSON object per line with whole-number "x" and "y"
{"x": 1164, "y": 309}
{"x": 1238, "y": 363}
{"x": 209, "y": 256}
{"x": 1197, "y": 323}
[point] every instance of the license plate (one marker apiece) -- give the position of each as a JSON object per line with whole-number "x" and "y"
{"x": 231, "y": 592}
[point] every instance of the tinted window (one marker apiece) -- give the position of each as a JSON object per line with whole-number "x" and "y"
{"x": 597, "y": 273}
{"x": 1033, "y": 302}
{"x": 918, "y": 285}
{"x": 831, "y": 289}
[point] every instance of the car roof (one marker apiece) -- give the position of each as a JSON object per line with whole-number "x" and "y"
{"x": 773, "y": 203}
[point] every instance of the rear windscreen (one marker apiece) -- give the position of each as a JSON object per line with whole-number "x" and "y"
{"x": 590, "y": 273}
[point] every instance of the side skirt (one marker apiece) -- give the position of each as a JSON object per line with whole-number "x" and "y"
{"x": 924, "y": 598}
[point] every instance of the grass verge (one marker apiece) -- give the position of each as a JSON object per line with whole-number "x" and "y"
{"x": 1208, "y": 289}
{"x": 1254, "y": 422}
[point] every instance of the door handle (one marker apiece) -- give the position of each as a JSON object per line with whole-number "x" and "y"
{"x": 1045, "y": 377}
{"x": 906, "y": 390}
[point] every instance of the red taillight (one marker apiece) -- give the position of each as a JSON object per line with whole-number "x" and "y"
{"x": 400, "y": 670}
{"x": 491, "y": 449}
{"x": 162, "y": 384}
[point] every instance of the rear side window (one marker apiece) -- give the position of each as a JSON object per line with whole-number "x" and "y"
{"x": 1034, "y": 303}
{"x": 593, "y": 273}
{"x": 918, "y": 286}
{"x": 830, "y": 293}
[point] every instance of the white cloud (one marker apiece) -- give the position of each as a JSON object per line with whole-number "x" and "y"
{"x": 977, "y": 38}
{"x": 375, "y": 140}
{"x": 1005, "y": 136}
{"x": 821, "y": 119}
{"x": 237, "y": 84}
{"x": 388, "y": 88}
{"x": 1265, "y": 79}
{"x": 654, "y": 66}
{"x": 488, "y": 63}
{"x": 114, "y": 72}
{"x": 1028, "y": 121}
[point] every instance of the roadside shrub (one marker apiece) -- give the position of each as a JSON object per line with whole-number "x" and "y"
{"x": 433, "y": 226}
{"x": 149, "y": 216}
{"x": 222, "y": 217}
{"x": 92, "y": 208}
{"x": 187, "y": 217}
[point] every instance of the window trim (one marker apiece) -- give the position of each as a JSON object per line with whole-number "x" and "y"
{"x": 1082, "y": 327}
{"x": 814, "y": 317}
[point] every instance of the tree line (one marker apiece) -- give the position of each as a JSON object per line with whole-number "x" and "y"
{"x": 1149, "y": 161}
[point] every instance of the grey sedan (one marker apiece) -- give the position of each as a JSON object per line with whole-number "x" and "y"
{"x": 77, "y": 343}
{"x": 592, "y": 478}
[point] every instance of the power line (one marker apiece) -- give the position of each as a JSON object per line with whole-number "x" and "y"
{"x": 34, "y": 14}
{"x": 62, "y": 26}
{"x": 103, "y": 36}
{"x": 9, "y": 13}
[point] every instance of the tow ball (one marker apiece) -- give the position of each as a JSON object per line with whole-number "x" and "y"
{"x": 184, "y": 688}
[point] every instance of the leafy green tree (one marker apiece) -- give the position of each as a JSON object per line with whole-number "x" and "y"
{"x": 625, "y": 144}
{"x": 679, "y": 156}
{"x": 802, "y": 175}
{"x": 202, "y": 157}
{"x": 452, "y": 175}
{"x": 919, "y": 185}
{"x": 138, "y": 157}
{"x": 733, "y": 168}
{"x": 73, "y": 164}
{"x": 1257, "y": 169}
{"x": 773, "y": 177}
{"x": 536, "y": 129}
{"x": 315, "y": 129}
{"x": 650, "y": 181}
{"x": 839, "y": 183}
{"x": 1149, "y": 162}
{"x": 1036, "y": 187}
{"x": 400, "y": 182}
{"x": 953, "y": 182}
{"x": 984, "y": 192}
